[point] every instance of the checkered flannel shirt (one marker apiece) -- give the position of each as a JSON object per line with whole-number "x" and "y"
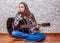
{"x": 18, "y": 18}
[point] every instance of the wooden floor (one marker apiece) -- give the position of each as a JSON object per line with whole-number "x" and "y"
{"x": 50, "y": 38}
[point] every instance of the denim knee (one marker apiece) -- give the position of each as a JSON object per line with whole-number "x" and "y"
{"x": 18, "y": 34}
{"x": 37, "y": 37}
{"x": 13, "y": 33}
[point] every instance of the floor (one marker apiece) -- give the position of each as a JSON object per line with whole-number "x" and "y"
{"x": 50, "y": 38}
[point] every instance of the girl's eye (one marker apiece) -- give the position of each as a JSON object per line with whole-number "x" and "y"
{"x": 21, "y": 6}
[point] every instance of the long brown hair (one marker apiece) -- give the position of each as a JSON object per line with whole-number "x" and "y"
{"x": 27, "y": 11}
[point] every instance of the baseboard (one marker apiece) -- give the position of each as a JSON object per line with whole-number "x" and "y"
{"x": 44, "y": 33}
{"x": 52, "y": 33}
{"x": 4, "y": 33}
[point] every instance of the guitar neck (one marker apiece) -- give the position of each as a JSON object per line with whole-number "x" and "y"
{"x": 29, "y": 26}
{"x": 26, "y": 26}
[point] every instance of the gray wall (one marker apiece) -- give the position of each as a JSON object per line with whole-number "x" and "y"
{"x": 45, "y": 11}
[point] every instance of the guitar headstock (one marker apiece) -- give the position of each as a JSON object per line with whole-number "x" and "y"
{"x": 45, "y": 24}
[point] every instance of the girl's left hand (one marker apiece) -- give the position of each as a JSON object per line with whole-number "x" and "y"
{"x": 38, "y": 26}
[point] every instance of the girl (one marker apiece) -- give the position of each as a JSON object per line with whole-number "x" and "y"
{"x": 25, "y": 20}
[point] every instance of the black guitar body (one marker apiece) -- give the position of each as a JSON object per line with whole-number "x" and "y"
{"x": 10, "y": 21}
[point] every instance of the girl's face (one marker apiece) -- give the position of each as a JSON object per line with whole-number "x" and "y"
{"x": 21, "y": 8}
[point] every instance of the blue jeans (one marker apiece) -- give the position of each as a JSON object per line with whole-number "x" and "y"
{"x": 29, "y": 37}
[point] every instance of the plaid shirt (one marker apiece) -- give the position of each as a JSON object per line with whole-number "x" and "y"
{"x": 18, "y": 18}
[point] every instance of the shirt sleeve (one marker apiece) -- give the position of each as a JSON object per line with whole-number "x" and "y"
{"x": 17, "y": 19}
